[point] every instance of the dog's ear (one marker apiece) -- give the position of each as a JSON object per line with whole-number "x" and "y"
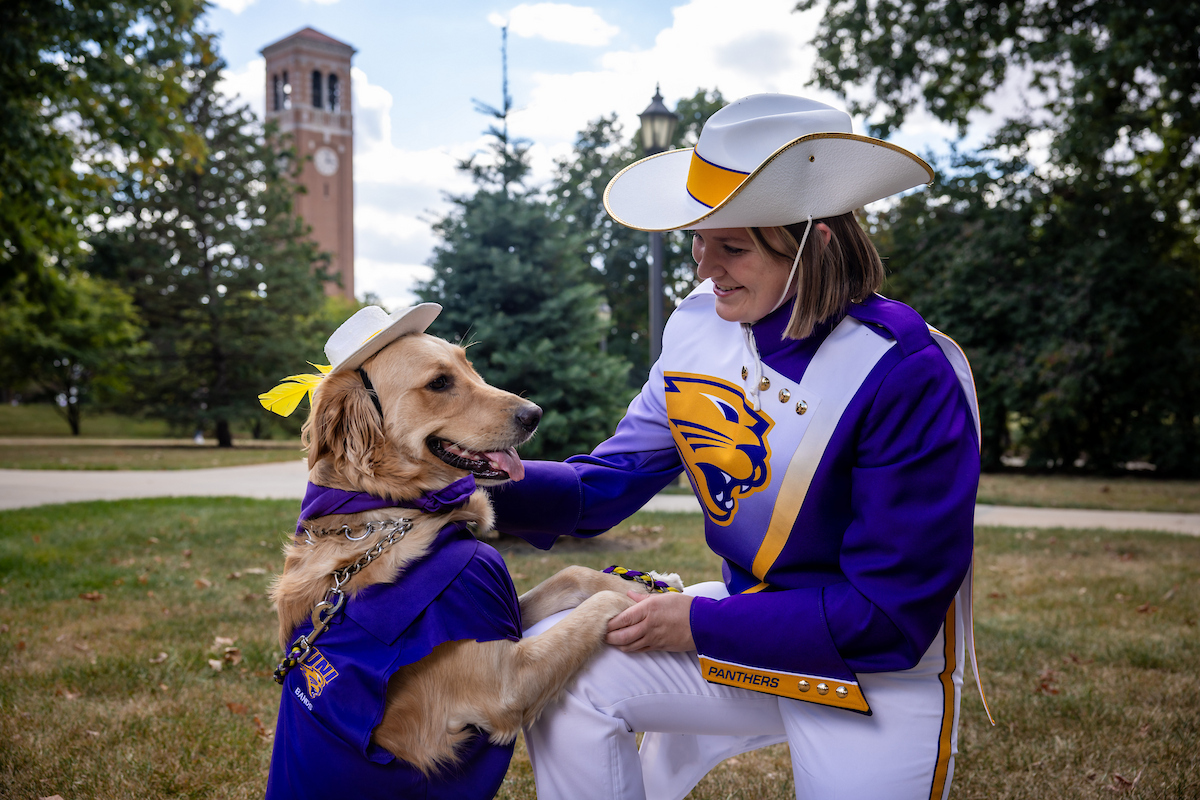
{"x": 344, "y": 424}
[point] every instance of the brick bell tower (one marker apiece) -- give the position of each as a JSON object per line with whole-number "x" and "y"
{"x": 308, "y": 94}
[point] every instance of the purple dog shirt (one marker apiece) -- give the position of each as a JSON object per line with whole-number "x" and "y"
{"x": 333, "y": 701}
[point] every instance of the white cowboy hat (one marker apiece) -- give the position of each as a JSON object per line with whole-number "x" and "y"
{"x": 371, "y": 329}
{"x": 763, "y": 161}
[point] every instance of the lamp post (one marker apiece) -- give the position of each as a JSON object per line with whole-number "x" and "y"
{"x": 658, "y": 127}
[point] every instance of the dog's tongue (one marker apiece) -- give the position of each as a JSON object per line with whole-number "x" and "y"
{"x": 509, "y": 461}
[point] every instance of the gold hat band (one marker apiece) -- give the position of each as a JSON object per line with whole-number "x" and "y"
{"x": 711, "y": 184}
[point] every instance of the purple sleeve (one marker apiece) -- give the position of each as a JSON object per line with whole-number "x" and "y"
{"x": 588, "y": 494}
{"x": 913, "y": 473}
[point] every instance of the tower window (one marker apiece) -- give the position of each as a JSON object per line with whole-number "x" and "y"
{"x": 287, "y": 91}
{"x": 335, "y": 93}
{"x": 276, "y": 93}
{"x": 317, "y": 85}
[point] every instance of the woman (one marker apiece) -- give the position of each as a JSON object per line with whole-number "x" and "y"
{"x": 831, "y": 438}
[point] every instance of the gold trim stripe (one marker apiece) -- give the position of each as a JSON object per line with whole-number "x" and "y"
{"x": 809, "y": 688}
{"x": 942, "y": 771}
{"x": 711, "y": 183}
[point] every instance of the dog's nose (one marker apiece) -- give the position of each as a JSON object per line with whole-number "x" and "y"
{"x": 529, "y": 416}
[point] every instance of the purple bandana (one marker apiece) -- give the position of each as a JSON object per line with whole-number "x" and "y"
{"x": 321, "y": 501}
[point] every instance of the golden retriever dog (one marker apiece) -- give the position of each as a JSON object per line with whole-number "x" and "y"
{"x": 436, "y": 422}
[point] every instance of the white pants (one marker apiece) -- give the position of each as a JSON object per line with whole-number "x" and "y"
{"x": 583, "y": 746}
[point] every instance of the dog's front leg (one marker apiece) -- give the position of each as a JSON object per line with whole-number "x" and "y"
{"x": 543, "y": 665}
{"x": 568, "y": 588}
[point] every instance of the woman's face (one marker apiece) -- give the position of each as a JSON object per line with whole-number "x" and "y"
{"x": 747, "y": 284}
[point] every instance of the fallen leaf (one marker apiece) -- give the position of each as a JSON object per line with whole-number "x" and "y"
{"x": 152, "y": 540}
{"x": 163, "y": 687}
{"x": 52, "y": 797}
{"x": 81, "y": 647}
{"x": 94, "y": 597}
{"x": 1120, "y": 598}
{"x": 1046, "y": 682}
{"x": 997, "y": 595}
{"x": 66, "y": 693}
{"x": 144, "y": 578}
{"x": 255, "y": 571}
{"x": 1146, "y": 608}
{"x": 519, "y": 576}
{"x": 237, "y": 708}
{"x": 223, "y": 641}
{"x": 119, "y": 582}
{"x": 250, "y": 597}
{"x": 3, "y": 628}
{"x": 203, "y": 583}
{"x": 232, "y": 656}
{"x": 233, "y": 576}
{"x": 1169, "y": 593}
{"x": 158, "y": 659}
{"x": 187, "y": 553}
{"x": 261, "y": 729}
{"x": 1144, "y": 731}
{"x": 20, "y": 645}
{"x": 216, "y": 664}
{"x": 92, "y": 733}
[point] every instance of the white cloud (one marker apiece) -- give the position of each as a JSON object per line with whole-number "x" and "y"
{"x": 399, "y": 193}
{"x": 233, "y": 6}
{"x": 249, "y": 84}
{"x": 558, "y": 22}
{"x": 740, "y": 48}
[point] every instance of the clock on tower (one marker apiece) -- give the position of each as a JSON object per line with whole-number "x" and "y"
{"x": 308, "y": 94}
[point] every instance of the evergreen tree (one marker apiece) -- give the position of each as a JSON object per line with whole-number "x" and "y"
{"x": 220, "y": 268}
{"x": 513, "y": 280}
{"x": 620, "y": 255}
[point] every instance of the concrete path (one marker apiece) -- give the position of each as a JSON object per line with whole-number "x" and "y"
{"x": 286, "y": 480}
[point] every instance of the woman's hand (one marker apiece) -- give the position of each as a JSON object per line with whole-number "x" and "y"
{"x": 656, "y": 622}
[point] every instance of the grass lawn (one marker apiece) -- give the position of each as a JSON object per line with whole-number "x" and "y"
{"x": 137, "y": 643}
{"x": 105, "y": 457}
{"x": 1126, "y": 493}
{"x": 41, "y": 419}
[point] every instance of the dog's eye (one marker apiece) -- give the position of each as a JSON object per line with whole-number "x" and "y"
{"x": 438, "y": 384}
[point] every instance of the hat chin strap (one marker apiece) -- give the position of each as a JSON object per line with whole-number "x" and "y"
{"x": 748, "y": 329}
{"x": 795, "y": 265}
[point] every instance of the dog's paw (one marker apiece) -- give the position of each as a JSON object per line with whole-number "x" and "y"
{"x": 671, "y": 579}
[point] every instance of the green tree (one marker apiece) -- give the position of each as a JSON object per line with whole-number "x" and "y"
{"x": 1071, "y": 280}
{"x": 620, "y": 255}
{"x": 73, "y": 344}
{"x": 220, "y": 268}
{"x": 513, "y": 280}
{"x": 88, "y": 89}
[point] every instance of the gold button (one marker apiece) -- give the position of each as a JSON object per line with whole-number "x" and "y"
{"x": 765, "y": 383}
{"x": 784, "y": 395}
{"x": 822, "y": 688}
{"x": 801, "y": 407}
{"x": 745, "y": 373}
{"x": 804, "y": 686}
{"x": 841, "y": 692}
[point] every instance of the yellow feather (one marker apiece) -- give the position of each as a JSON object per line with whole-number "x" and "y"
{"x": 284, "y": 398}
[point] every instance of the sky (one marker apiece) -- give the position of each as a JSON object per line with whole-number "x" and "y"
{"x": 420, "y": 66}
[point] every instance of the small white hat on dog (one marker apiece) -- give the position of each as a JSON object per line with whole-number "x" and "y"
{"x": 371, "y": 329}
{"x": 763, "y": 161}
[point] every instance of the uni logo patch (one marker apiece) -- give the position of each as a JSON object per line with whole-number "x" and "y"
{"x": 723, "y": 440}
{"x": 318, "y": 672}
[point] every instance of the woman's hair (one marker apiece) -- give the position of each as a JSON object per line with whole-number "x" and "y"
{"x": 830, "y": 276}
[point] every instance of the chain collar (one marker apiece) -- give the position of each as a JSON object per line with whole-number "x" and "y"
{"x": 347, "y": 531}
{"x": 324, "y": 611}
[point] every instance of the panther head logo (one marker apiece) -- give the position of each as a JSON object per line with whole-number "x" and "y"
{"x": 721, "y": 438}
